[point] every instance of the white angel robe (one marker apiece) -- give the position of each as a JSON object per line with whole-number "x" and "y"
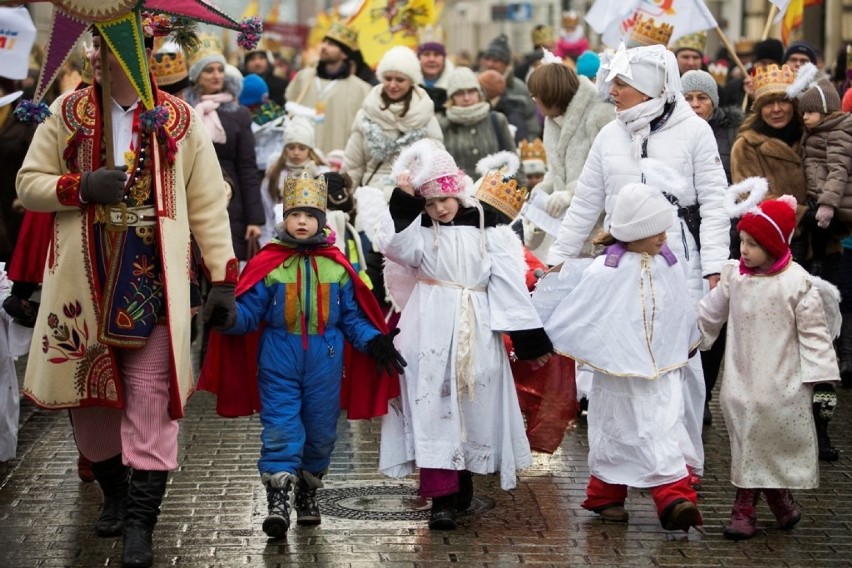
{"x": 14, "y": 342}
{"x": 458, "y": 409}
{"x": 631, "y": 321}
{"x": 778, "y": 345}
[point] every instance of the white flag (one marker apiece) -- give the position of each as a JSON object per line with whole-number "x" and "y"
{"x": 782, "y": 9}
{"x": 607, "y": 17}
{"x": 17, "y": 35}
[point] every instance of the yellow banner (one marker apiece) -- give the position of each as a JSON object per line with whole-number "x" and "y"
{"x": 382, "y": 24}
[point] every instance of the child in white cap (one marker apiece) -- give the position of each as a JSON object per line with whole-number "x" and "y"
{"x": 631, "y": 321}
{"x": 458, "y": 413}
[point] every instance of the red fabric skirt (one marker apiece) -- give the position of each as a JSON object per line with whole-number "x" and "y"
{"x": 27, "y": 264}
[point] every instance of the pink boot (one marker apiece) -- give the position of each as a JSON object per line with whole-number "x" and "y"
{"x": 784, "y": 507}
{"x": 743, "y": 523}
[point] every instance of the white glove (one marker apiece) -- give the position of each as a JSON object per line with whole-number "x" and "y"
{"x": 824, "y": 215}
{"x": 557, "y": 203}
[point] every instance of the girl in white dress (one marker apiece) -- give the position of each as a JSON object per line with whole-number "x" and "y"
{"x": 460, "y": 285}
{"x": 630, "y": 320}
{"x": 778, "y": 349}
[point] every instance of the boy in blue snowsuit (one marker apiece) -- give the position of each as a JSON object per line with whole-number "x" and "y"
{"x": 310, "y": 300}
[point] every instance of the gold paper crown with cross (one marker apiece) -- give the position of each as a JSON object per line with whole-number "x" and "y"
{"x": 647, "y": 32}
{"x": 168, "y": 68}
{"x": 502, "y": 194}
{"x": 744, "y": 46}
{"x": 430, "y": 34}
{"x": 343, "y": 35}
{"x": 208, "y": 45}
{"x": 695, "y": 42}
{"x": 771, "y": 79}
{"x": 305, "y": 191}
{"x": 533, "y": 150}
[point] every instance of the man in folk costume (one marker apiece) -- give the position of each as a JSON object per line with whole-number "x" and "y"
{"x": 330, "y": 93}
{"x": 113, "y": 347}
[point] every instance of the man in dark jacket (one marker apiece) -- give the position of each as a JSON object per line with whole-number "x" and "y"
{"x": 260, "y": 63}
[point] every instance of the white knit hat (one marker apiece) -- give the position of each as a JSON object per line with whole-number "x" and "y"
{"x": 402, "y": 60}
{"x": 299, "y": 130}
{"x": 462, "y": 79}
{"x": 640, "y": 212}
{"x": 652, "y": 70}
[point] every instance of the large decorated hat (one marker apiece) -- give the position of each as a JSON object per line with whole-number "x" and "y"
{"x": 498, "y": 186}
{"x": 648, "y": 32}
{"x": 305, "y": 191}
{"x": 772, "y": 79}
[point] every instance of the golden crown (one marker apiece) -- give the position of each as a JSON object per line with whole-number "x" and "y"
{"x": 772, "y": 79}
{"x": 647, "y": 32}
{"x": 168, "y": 68}
{"x": 543, "y": 35}
{"x": 744, "y": 46}
{"x": 430, "y": 34}
{"x": 208, "y": 44}
{"x": 570, "y": 19}
{"x": 533, "y": 150}
{"x": 503, "y": 195}
{"x": 305, "y": 191}
{"x": 696, "y": 42}
{"x": 341, "y": 34}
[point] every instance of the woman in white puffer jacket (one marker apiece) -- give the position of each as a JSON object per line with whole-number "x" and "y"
{"x": 654, "y": 121}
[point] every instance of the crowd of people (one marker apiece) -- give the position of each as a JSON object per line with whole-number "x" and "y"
{"x": 400, "y": 243}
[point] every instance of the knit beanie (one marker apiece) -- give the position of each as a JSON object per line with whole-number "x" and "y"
{"x": 435, "y": 46}
{"x": 820, "y": 97}
{"x": 209, "y": 51}
{"x": 462, "y": 79}
{"x": 299, "y": 130}
{"x": 499, "y": 49}
{"x": 803, "y": 48}
{"x": 771, "y": 49}
{"x": 402, "y": 60}
{"x": 493, "y": 83}
{"x": 255, "y": 90}
{"x": 588, "y": 64}
{"x": 433, "y": 170}
{"x": 698, "y": 80}
{"x": 772, "y": 224}
{"x": 640, "y": 212}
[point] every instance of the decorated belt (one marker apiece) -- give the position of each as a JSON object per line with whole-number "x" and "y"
{"x": 120, "y": 217}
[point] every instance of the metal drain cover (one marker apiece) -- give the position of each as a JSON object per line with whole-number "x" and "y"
{"x": 384, "y": 503}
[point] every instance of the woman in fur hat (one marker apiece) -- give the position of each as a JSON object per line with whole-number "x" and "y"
{"x": 395, "y": 114}
{"x": 215, "y": 96}
{"x": 654, "y": 121}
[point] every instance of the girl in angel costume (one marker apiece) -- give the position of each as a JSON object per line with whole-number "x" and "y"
{"x": 460, "y": 284}
{"x": 629, "y": 318}
{"x": 778, "y": 312}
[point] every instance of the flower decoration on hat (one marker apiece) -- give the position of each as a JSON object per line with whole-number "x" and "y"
{"x": 498, "y": 186}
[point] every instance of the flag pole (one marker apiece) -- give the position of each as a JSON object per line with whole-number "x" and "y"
{"x": 772, "y": 12}
{"x": 731, "y": 50}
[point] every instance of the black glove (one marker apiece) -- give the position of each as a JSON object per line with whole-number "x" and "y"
{"x": 220, "y": 310}
{"x": 825, "y": 399}
{"x": 104, "y": 185}
{"x": 387, "y": 357}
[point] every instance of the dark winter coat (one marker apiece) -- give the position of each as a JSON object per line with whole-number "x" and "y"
{"x": 725, "y": 122}
{"x": 470, "y": 143}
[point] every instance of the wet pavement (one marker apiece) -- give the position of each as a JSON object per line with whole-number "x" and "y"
{"x": 215, "y": 505}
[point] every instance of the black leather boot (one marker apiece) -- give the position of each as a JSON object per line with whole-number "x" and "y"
{"x": 113, "y": 477}
{"x": 143, "y": 508}
{"x": 443, "y": 515}
{"x": 464, "y": 498}
{"x": 844, "y": 350}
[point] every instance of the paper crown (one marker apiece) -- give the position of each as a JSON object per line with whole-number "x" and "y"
{"x": 168, "y": 68}
{"x": 647, "y": 32}
{"x": 533, "y": 150}
{"x": 570, "y": 19}
{"x": 744, "y": 46}
{"x": 208, "y": 44}
{"x": 695, "y": 42}
{"x": 305, "y": 191}
{"x": 543, "y": 35}
{"x": 719, "y": 71}
{"x": 343, "y": 35}
{"x": 430, "y": 34}
{"x": 772, "y": 79}
{"x": 502, "y": 194}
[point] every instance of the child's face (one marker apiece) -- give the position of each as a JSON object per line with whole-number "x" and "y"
{"x": 649, "y": 245}
{"x": 442, "y": 209}
{"x": 301, "y": 225}
{"x": 812, "y": 118}
{"x": 533, "y": 180}
{"x": 296, "y": 153}
{"x": 754, "y": 255}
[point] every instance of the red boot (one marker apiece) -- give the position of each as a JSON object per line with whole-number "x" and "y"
{"x": 743, "y": 523}
{"x": 784, "y": 507}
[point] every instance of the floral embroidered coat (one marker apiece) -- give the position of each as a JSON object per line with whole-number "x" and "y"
{"x": 68, "y": 367}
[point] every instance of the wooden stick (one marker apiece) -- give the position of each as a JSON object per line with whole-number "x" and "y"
{"x": 772, "y": 11}
{"x": 731, "y": 50}
{"x": 106, "y": 105}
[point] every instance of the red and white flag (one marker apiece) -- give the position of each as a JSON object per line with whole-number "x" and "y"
{"x": 614, "y": 19}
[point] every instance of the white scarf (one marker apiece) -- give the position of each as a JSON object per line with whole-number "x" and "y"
{"x": 637, "y": 121}
{"x": 207, "y": 108}
{"x": 468, "y": 115}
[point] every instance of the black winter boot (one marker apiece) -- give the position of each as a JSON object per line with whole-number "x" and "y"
{"x": 143, "y": 507}
{"x": 464, "y": 498}
{"x": 114, "y": 478}
{"x": 278, "y": 487}
{"x": 443, "y": 515}
{"x": 824, "y": 403}
{"x": 844, "y": 350}
{"x": 305, "y": 498}
{"x": 826, "y": 450}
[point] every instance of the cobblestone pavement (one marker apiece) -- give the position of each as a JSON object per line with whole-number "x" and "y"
{"x": 215, "y": 504}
